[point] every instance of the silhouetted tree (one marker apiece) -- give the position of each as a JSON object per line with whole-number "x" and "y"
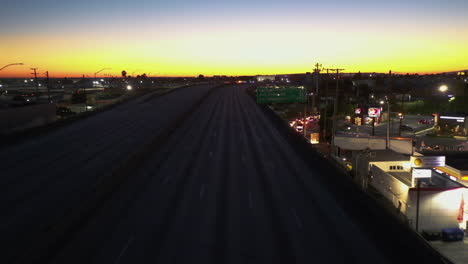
{"x": 124, "y": 74}
{"x": 357, "y": 76}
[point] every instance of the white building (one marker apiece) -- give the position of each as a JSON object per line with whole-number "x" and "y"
{"x": 441, "y": 199}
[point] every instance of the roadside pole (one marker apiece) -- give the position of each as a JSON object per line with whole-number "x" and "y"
{"x": 388, "y": 124}
{"x": 335, "y": 107}
{"x": 36, "y": 83}
{"x": 48, "y": 86}
{"x": 418, "y": 195}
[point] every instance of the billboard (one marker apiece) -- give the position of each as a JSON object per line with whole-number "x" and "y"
{"x": 421, "y": 173}
{"x": 427, "y": 161}
{"x": 373, "y": 112}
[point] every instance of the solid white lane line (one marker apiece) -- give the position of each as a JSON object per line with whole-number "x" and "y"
{"x": 124, "y": 249}
{"x": 298, "y": 220}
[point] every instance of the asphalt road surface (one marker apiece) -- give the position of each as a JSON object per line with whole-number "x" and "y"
{"x": 226, "y": 187}
{"x": 44, "y": 178}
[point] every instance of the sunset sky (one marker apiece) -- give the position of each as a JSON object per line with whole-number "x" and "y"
{"x": 187, "y": 38}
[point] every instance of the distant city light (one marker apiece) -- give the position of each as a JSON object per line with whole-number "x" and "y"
{"x": 102, "y": 80}
{"x": 382, "y": 102}
{"x": 129, "y": 87}
{"x": 25, "y": 81}
{"x": 443, "y": 88}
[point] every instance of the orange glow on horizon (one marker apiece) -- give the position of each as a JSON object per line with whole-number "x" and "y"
{"x": 214, "y": 51}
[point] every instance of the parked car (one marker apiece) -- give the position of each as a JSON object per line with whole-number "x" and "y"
{"x": 406, "y": 128}
{"x": 425, "y": 121}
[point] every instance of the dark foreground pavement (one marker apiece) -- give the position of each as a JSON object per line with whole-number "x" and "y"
{"x": 47, "y": 177}
{"x": 227, "y": 187}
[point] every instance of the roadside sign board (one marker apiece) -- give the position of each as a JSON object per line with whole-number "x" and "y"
{"x": 373, "y": 112}
{"x": 427, "y": 161}
{"x": 267, "y": 95}
{"x": 421, "y": 173}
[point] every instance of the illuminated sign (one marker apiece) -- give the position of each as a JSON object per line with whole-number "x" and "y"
{"x": 427, "y": 161}
{"x": 421, "y": 173}
{"x": 314, "y": 138}
{"x": 459, "y": 119}
{"x": 373, "y": 112}
{"x": 357, "y": 111}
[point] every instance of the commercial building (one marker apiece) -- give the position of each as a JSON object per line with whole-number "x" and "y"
{"x": 451, "y": 124}
{"x": 426, "y": 198}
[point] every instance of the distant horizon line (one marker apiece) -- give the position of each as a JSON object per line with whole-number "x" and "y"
{"x": 227, "y": 75}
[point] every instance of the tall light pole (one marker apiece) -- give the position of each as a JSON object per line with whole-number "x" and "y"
{"x": 400, "y": 115}
{"x": 387, "y": 143}
{"x": 335, "y": 106}
{"x": 37, "y": 84}
{"x": 103, "y": 69}
{"x": 11, "y": 64}
{"x": 317, "y": 74}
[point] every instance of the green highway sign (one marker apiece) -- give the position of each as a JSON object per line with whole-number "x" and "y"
{"x": 266, "y": 95}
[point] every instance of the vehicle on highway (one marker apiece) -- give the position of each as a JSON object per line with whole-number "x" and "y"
{"x": 64, "y": 112}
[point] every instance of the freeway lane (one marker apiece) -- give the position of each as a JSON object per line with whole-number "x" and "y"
{"x": 45, "y": 177}
{"x": 225, "y": 188}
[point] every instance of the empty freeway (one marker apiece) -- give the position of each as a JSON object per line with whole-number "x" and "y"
{"x": 224, "y": 183}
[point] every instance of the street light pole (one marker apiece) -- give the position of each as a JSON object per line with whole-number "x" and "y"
{"x": 11, "y": 64}
{"x": 48, "y": 86}
{"x": 388, "y": 124}
{"x": 317, "y": 74}
{"x": 37, "y": 84}
{"x": 418, "y": 197}
{"x": 95, "y": 74}
{"x": 400, "y": 115}
{"x": 335, "y": 107}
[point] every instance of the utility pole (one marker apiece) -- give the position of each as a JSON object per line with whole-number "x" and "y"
{"x": 317, "y": 74}
{"x": 388, "y": 108}
{"x": 37, "y": 84}
{"x": 335, "y": 106}
{"x": 418, "y": 197}
{"x": 85, "y": 96}
{"x": 48, "y": 85}
{"x": 326, "y": 108}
